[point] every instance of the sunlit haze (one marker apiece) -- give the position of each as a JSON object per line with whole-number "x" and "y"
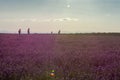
{"x": 69, "y": 16}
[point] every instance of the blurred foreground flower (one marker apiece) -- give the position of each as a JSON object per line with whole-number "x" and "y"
{"x": 52, "y": 74}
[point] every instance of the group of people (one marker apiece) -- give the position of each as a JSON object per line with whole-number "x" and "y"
{"x": 59, "y": 32}
{"x": 28, "y": 31}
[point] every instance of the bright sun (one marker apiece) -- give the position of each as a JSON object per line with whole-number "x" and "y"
{"x": 68, "y": 6}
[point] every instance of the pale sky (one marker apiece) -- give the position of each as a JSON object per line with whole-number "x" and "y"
{"x": 71, "y": 16}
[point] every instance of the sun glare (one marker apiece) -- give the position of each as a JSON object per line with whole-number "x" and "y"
{"x": 68, "y": 6}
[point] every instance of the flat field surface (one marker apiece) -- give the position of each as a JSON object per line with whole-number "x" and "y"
{"x": 60, "y": 57}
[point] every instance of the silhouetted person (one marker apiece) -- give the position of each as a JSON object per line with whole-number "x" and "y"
{"x": 19, "y": 31}
{"x": 51, "y": 32}
{"x": 28, "y": 31}
{"x": 59, "y": 32}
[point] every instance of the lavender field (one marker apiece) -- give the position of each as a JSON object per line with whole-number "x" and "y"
{"x": 68, "y": 56}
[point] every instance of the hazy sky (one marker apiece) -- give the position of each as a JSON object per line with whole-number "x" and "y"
{"x": 66, "y": 15}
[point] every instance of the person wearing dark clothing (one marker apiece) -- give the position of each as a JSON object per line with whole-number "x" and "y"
{"x": 19, "y": 31}
{"x": 28, "y": 31}
{"x": 51, "y": 32}
{"x": 59, "y": 32}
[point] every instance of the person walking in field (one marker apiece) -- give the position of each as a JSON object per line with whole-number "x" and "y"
{"x": 19, "y": 31}
{"x": 51, "y": 32}
{"x": 59, "y": 32}
{"x": 28, "y": 31}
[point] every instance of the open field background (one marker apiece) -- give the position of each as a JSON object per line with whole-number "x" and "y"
{"x": 71, "y": 56}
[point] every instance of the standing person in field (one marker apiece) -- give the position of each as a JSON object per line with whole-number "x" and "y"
{"x": 19, "y": 31}
{"x": 28, "y": 31}
{"x": 51, "y": 32}
{"x": 59, "y": 32}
